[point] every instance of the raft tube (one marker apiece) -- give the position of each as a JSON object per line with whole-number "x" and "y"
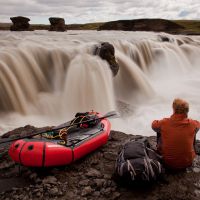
{"x": 42, "y": 152}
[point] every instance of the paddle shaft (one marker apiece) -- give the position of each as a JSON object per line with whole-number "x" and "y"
{"x": 59, "y": 127}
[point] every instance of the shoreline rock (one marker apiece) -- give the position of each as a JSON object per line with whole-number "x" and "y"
{"x": 92, "y": 178}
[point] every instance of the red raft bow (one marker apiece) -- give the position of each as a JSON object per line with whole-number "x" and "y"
{"x": 61, "y": 146}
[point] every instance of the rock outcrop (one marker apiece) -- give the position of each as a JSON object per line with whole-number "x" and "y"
{"x": 107, "y": 52}
{"x": 20, "y": 24}
{"x": 57, "y": 24}
{"x": 156, "y": 25}
{"x": 92, "y": 178}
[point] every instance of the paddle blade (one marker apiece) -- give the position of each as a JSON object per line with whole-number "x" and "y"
{"x": 112, "y": 114}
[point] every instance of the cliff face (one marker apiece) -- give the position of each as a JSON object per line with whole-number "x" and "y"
{"x": 156, "y": 25}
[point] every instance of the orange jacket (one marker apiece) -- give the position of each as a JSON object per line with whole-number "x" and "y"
{"x": 177, "y": 135}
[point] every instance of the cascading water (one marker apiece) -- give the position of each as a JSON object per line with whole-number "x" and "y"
{"x": 45, "y": 78}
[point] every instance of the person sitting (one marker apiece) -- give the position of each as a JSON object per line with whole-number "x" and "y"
{"x": 176, "y": 136}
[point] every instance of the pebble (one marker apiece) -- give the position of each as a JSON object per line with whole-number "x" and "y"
{"x": 93, "y": 173}
{"x": 50, "y": 180}
{"x": 87, "y": 190}
{"x": 70, "y": 195}
{"x": 38, "y": 180}
{"x": 115, "y": 195}
{"x": 107, "y": 191}
{"x": 38, "y": 194}
{"x": 33, "y": 176}
{"x": 14, "y": 189}
{"x": 197, "y": 185}
{"x": 60, "y": 193}
{"x": 96, "y": 194}
{"x": 84, "y": 182}
{"x": 110, "y": 156}
{"x": 99, "y": 182}
{"x": 53, "y": 191}
{"x": 196, "y": 170}
{"x": 107, "y": 176}
{"x": 25, "y": 198}
{"x": 197, "y": 193}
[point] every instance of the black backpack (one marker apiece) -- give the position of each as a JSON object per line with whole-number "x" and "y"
{"x": 137, "y": 162}
{"x": 89, "y": 120}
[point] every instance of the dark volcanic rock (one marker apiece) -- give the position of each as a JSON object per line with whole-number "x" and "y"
{"x": 92, "y": 178}
{"x": 57, "y": 24}
{"x": 20, "y": 24}
{"x": 20, "y": 132}
{"x": 107, "y": 52}
{"x": 24, "y": 131}
{"x": 164, "y": 38}
{"x": 157, "y": 25}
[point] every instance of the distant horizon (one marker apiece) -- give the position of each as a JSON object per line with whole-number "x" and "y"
{"x": 91, "y": 11}
{"x": 47, "y": 20}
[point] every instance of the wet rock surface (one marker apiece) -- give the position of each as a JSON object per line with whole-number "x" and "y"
{"x": 57, "y": 24}
{"x": 20, "y": 24}
{"x": 92, "y": 178}
{"x": 107, "y": 52}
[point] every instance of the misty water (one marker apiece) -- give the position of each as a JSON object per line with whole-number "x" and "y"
{"x": 46, "y": 77}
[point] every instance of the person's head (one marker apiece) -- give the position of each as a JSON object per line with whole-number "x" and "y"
{"x": 180, "y": 106}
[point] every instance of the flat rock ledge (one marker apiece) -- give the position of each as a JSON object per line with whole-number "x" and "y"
{"x": 92, "y": 178}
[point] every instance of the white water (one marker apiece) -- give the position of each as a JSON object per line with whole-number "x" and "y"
{"x": 46, "y": 77}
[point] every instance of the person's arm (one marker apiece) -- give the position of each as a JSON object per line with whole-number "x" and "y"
{"x": 196, "y": 147}
{"x": 156, "y": 125}
{"x": 197, "y": 126}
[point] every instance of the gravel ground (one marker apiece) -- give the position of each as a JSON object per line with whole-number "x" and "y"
{"x": 92, "y": 178}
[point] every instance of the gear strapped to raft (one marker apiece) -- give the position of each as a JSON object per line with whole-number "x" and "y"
{"x": 138, "y": 162}
{"x": 84, "y": 120}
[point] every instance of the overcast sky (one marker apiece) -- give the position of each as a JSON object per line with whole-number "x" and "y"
{"x": 84, "y": 11}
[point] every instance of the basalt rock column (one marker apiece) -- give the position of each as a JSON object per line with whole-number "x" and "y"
{"x": 107, "y": 52}
{"x": 20, "y": 24}
{"x": 57, "y": 24}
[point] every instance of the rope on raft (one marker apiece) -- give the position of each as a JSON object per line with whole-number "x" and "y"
{"x": 63, "y": 132}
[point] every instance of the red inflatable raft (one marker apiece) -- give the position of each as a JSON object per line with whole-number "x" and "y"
{"x": 43, "y": 152}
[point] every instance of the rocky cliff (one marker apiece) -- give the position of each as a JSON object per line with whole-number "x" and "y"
{"x": 156, "y": 25}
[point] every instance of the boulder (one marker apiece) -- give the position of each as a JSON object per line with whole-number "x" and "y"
{"x": 20, "y": 24}
{"x": 165, "y": 38}
{"x": 107, "y": 52}
{"x": 57, "y": 24}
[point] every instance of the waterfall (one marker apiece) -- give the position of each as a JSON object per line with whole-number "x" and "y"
{"x": 45, "y": 78}
{"x": 88, "y": 85}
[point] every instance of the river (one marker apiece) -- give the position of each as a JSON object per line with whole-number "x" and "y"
{"x": 46, "y": 77}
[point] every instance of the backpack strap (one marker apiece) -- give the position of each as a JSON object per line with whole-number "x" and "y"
{"x": 131, "y": 170}
{"x": 120, "y": 163}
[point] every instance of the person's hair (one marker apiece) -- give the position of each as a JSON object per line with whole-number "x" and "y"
{"x": 180, "y": 106}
